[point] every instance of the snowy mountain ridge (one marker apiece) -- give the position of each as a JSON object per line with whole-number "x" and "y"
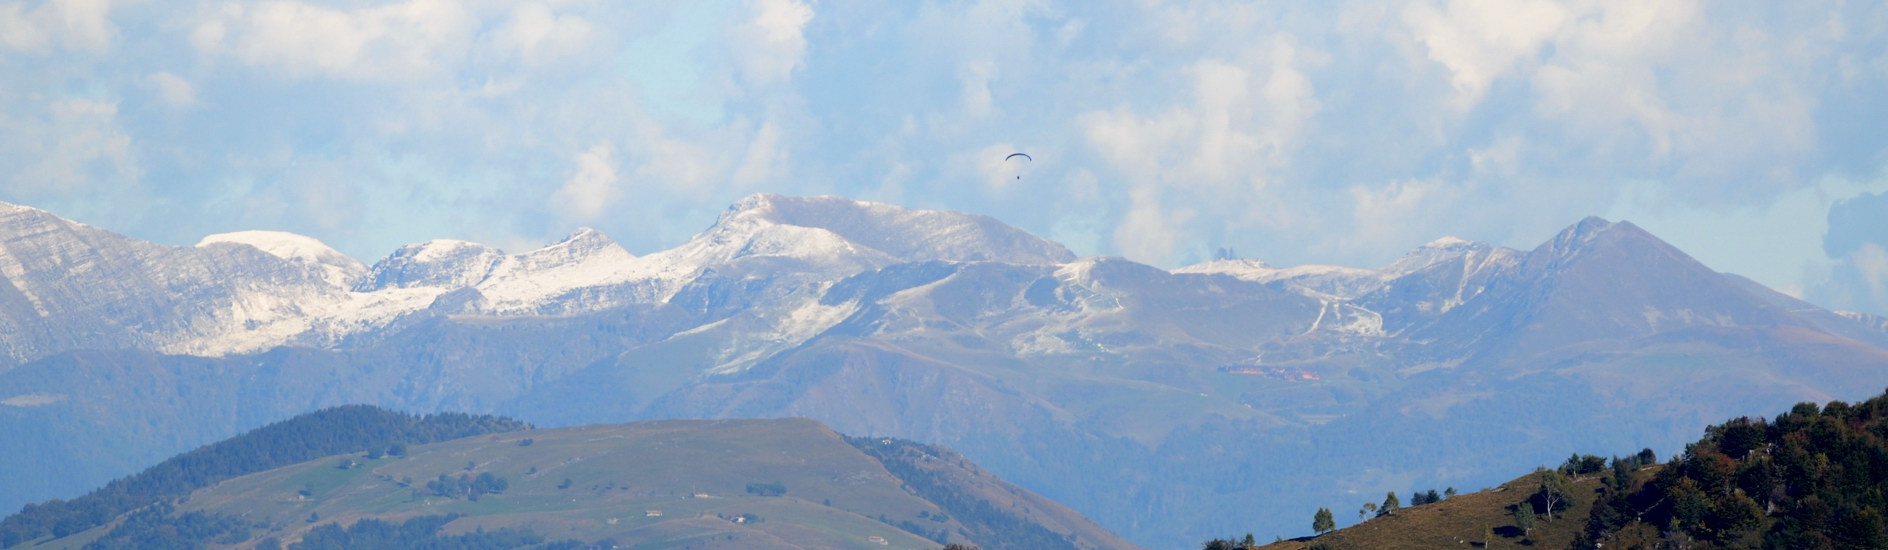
{"x": 768, "y": 260}
{"x": 317, "y": 296}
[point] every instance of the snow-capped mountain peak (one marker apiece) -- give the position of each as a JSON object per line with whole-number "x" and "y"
{"x": 902, "y": 233}
{"x": 1580, "y": 234}
{"x": 338, "y": 269}
{"x": 530, "y": 281}
{"x": 1436, "y": 252}
{"x": 442, "y": 263}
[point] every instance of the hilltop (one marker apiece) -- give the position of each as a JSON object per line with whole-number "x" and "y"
{"x": 785, "y": 483}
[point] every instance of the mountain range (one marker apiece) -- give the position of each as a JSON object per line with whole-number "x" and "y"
{"x": 1171, "y": 406}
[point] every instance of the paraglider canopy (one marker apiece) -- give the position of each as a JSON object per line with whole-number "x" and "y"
{"x": 1025, "y": 157}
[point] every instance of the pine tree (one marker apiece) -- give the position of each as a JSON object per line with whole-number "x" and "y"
{"x": 1322, "y": 522}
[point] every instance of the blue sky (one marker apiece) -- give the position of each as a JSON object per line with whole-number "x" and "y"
{"x": 1751, "y": 134}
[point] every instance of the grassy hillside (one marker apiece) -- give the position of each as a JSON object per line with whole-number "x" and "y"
{"x": 789, "y": 483}
{"x": 1463, "y": 521}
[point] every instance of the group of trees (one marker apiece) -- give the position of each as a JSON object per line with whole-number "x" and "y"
{"x": 466, "y": 486}
{"x": 1815, "y": 477}
{"x": 1232, "y": 544}
{"x": 1391, "y": 503}
{"x": 421, "y": 533}
{"x": 771, "y": 489}
{"x": 159, "y": 526}
{"x": 338, "y": 430}
{"x": 1553, "y": 494}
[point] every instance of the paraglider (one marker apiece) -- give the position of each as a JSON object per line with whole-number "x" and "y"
{"x": 1025, "y": 156}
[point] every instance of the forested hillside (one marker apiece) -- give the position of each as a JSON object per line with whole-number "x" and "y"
{"x": 1815, "y": 477}
{"x": 338, "y": 430}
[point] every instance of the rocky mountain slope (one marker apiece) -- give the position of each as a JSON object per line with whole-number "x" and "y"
{"x": 1168, "y": 405}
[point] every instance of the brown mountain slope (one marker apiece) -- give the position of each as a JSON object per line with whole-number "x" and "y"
{"x": 1463, "y": 521}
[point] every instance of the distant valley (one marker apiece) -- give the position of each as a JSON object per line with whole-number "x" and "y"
{"x": 1170, "y": 406}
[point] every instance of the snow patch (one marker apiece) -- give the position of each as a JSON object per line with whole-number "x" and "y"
{"x": 1316, "y": 281}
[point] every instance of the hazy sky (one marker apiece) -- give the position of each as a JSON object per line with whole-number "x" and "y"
{"x": 1753, "y": 135}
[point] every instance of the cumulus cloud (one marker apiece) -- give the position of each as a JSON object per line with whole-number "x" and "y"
{"x": 75, "y": 25}
{"x": 173, "y": 89}
{"x": 592, "y": 189}
{"x": 408, "y": 39}
{"x": 536, "y": 33}
{"x": 769, "y": 46}
{"x": 1241, "y": 128}
{"x": 766, "y": 159}
{"x": 75, "y": 147}
{"x": 1871, "y": 262}
{"x": 1483, "y": 40}
{"x": 1857, "y": 243}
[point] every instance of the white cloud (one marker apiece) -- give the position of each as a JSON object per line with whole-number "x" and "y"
{"x": 19, "y": 30}
{"x": 1480, "y": 41}
{"x": 76, "y": 25}
{"x": 77, "y": 148}
{"x": 173, "y": 89}
{"x": 592, "y": 189}
{"x": 1149, "y": 230}
{"x": 686, "y": 167}
{"x": 1871, "y": 262}
{"x": 1660, "y": 87}
{"x": 765, "y": 162}
{"x": 1604, "y": 76}
{"x": 770, "y": 46}
{"x": 536, "y": 33}
{"x": 1216, "y": 155}
{"x": 976, "y": 77}
{"x": 410, "y": 39}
